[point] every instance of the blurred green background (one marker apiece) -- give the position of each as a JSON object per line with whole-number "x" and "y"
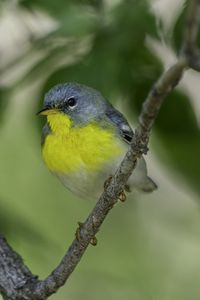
{"x": 149, "y": 247}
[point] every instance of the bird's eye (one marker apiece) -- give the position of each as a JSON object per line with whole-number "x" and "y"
{"x": 71, "y": 102}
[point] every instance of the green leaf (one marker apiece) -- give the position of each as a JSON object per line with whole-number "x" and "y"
{"x": 10, "y": 220}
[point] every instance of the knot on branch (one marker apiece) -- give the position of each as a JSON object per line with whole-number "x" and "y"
{"x": 140, "y": 142}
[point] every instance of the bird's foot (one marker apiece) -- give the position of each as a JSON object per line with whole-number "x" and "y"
{"x": 122, "y": 196}
{"x": 93, "y": 241}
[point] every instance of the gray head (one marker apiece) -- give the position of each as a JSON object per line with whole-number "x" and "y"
{"x": 79, "y": 102}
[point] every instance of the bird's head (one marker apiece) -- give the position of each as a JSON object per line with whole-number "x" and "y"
{"x": 81, "y": 104}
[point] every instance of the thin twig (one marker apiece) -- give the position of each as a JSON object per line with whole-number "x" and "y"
{"x": 192, "y": 21}
{"x": 167, "y": 82}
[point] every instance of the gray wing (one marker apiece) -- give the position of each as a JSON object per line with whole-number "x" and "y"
{"x": 139, "y": 178}
{"x": 121, "y": 123}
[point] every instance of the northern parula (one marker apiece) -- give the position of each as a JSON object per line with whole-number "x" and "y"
{"x": 85, "y": 139}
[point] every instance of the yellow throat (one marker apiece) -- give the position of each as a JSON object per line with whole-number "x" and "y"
{"x": 67, "y": 149}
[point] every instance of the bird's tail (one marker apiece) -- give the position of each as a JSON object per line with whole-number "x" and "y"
{"x": 148, "y": 185}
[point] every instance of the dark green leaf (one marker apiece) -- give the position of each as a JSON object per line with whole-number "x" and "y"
{"x": 180, "y": 137}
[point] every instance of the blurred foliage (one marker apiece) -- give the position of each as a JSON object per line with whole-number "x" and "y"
{"x": 180, "y": 137}
{"x": 104, "y": 47}
{"x": 58, "y": 8}
{"x": 178, "y": 31}
{"x": 9, "y": 219}
{"x": 3, "y": 102}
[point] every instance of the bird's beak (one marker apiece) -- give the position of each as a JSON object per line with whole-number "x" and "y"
{"x": 47, "y": 111}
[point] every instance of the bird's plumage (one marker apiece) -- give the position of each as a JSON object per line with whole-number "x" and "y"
{"x": 85, "y": 139}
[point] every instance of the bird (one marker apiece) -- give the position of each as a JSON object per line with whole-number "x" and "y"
{"x": 84, "y": 140}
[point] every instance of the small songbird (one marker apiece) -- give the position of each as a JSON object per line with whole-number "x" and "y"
{"x": 85, "y": 139}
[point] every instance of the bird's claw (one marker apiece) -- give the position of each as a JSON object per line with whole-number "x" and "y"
{"x": 122, "y": 196}
{"x": 93, "y": 241}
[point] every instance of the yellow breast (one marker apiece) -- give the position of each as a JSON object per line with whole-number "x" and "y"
{"x": 68, "y": 149}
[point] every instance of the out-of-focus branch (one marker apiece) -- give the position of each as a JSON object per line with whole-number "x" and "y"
{"x": 190, "y": 50}
{"x": 44, "y": 288}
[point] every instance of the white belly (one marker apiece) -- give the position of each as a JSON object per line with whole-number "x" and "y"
{"x": 90, "y": 184}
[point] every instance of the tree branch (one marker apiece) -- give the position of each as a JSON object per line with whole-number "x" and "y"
{"x": 16, "y": 281}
